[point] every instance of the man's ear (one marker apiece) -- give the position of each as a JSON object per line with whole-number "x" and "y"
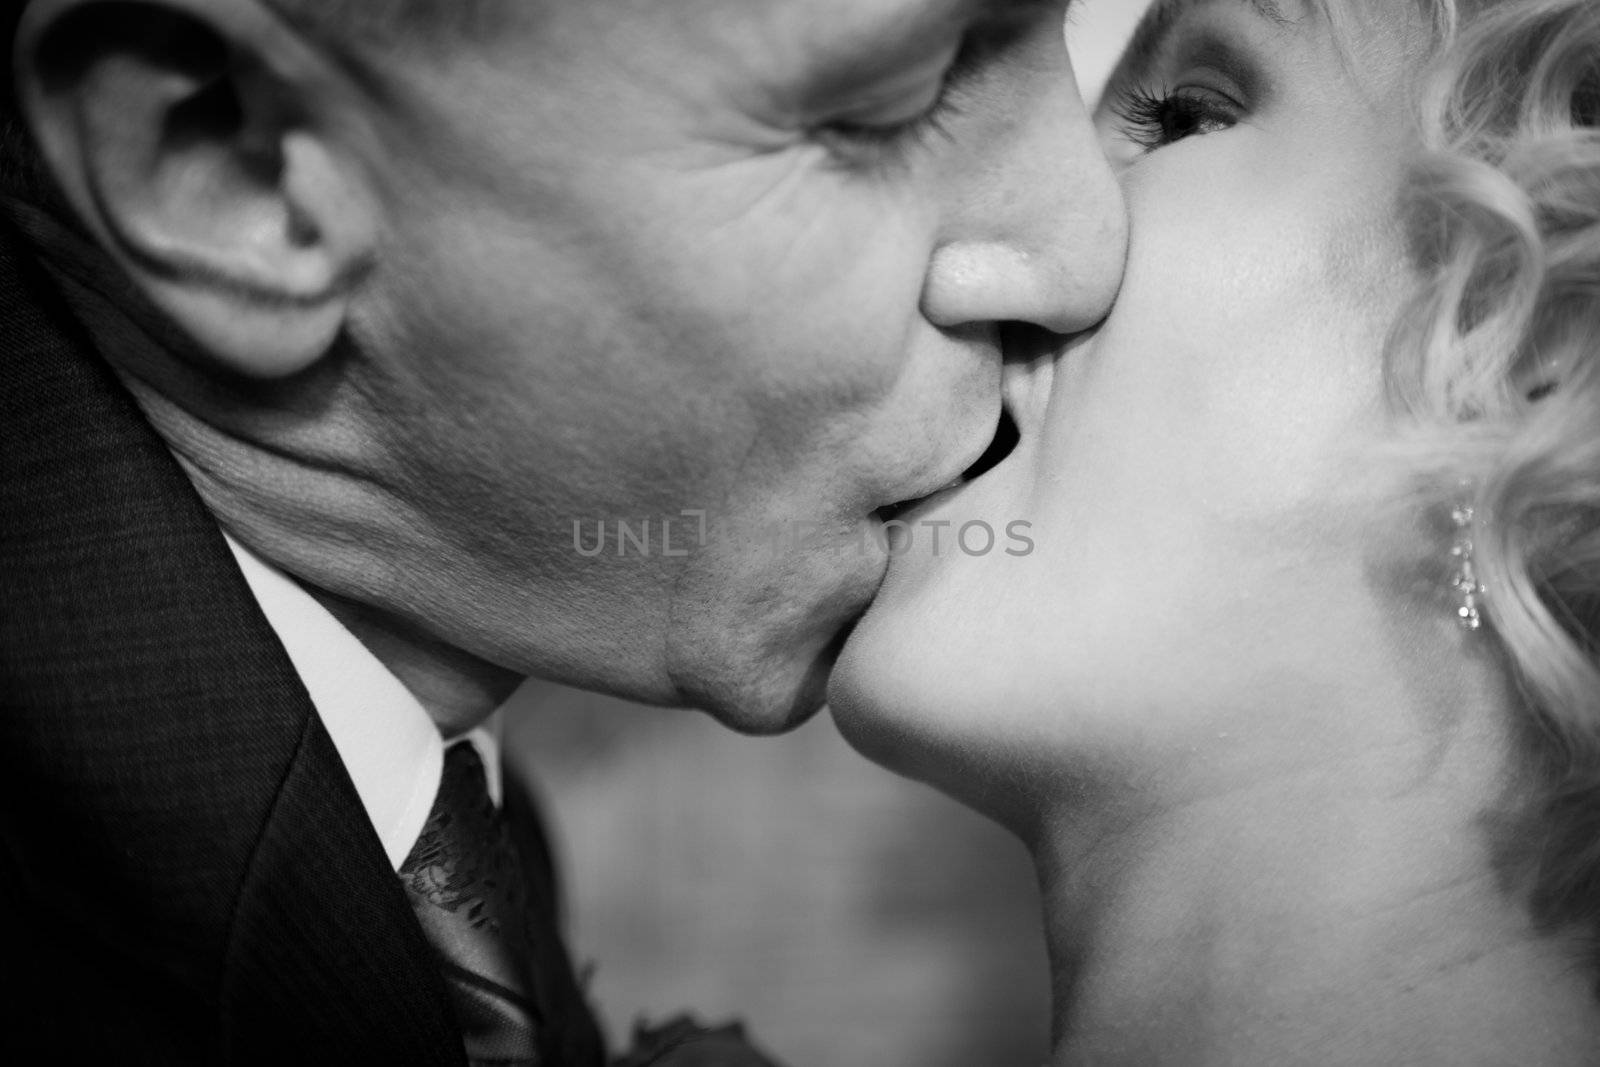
{"x": 216, "y": 156}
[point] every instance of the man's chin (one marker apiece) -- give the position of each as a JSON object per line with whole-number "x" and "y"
{"x": 759, "y": 663}
{"x": 768, "y": 703}
{"x": 767, "y": 688}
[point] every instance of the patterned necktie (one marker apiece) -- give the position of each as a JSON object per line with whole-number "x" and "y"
{"x": 488, "y": 907}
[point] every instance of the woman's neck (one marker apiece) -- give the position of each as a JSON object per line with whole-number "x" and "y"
{"x": 1323, "y": 903}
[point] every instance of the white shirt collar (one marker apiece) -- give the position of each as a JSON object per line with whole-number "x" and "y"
{"x": 388, "y": 743}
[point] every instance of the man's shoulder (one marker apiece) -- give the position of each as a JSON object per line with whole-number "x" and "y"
{"x": 173, "y": 814}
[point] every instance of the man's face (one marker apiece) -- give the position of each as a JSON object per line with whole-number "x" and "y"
{"x": 726, "y": 274}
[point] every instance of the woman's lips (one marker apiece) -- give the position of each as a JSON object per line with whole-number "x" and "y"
{"x": 892, "y": 512}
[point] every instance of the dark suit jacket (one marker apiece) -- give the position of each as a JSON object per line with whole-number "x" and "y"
{"x": 186, "y": 872}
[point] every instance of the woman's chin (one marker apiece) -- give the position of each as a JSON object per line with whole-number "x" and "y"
{"x": 879, "y": 700}
{"x": 914, "y": 691}
{"x": 955, "y": 675}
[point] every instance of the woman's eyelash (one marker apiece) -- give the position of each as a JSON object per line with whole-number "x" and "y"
{"x": 1154, "y": 120}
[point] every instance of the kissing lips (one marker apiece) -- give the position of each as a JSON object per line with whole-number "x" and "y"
{"x": 1000, "y": 446}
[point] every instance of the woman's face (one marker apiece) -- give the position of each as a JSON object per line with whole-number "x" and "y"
{"x": 1197, "y": 472}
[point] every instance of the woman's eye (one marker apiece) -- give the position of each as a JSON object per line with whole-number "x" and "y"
{"x": 1156, "y": 120}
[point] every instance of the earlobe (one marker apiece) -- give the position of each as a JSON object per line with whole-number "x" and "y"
{"x": 199, "y": 140}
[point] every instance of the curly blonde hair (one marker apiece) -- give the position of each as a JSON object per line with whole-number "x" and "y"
{"x": 1497, "y": 360}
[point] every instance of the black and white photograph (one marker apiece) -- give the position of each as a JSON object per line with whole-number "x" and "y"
{"x": 800, "y": 533}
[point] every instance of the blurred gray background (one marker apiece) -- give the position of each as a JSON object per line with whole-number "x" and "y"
{"x": 852, "y": 918}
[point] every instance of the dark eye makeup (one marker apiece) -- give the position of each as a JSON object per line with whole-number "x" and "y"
{"x": 1219, "y": 85}
{"x": 1155, "y": 119}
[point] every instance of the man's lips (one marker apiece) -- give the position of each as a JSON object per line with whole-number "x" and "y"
{"x": 1000, "y": 446}
{"x": 1005, "y": 440}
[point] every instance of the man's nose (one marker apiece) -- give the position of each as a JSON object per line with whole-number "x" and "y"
{"x": 1036, "y": 229}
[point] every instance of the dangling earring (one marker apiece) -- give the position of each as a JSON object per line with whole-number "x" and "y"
{"x": 1464, "y": 579}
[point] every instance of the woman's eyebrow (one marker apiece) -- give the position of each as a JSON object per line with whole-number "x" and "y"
{"x": 1157, "y": 25}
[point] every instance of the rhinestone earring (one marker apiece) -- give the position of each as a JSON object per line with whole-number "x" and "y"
{"x": 1464, "y": 579}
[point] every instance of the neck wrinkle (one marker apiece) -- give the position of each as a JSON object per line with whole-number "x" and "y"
{"x": 149, "y": 355}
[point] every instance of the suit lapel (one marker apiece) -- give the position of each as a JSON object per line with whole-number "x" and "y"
{"x": 185, "y": 811}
